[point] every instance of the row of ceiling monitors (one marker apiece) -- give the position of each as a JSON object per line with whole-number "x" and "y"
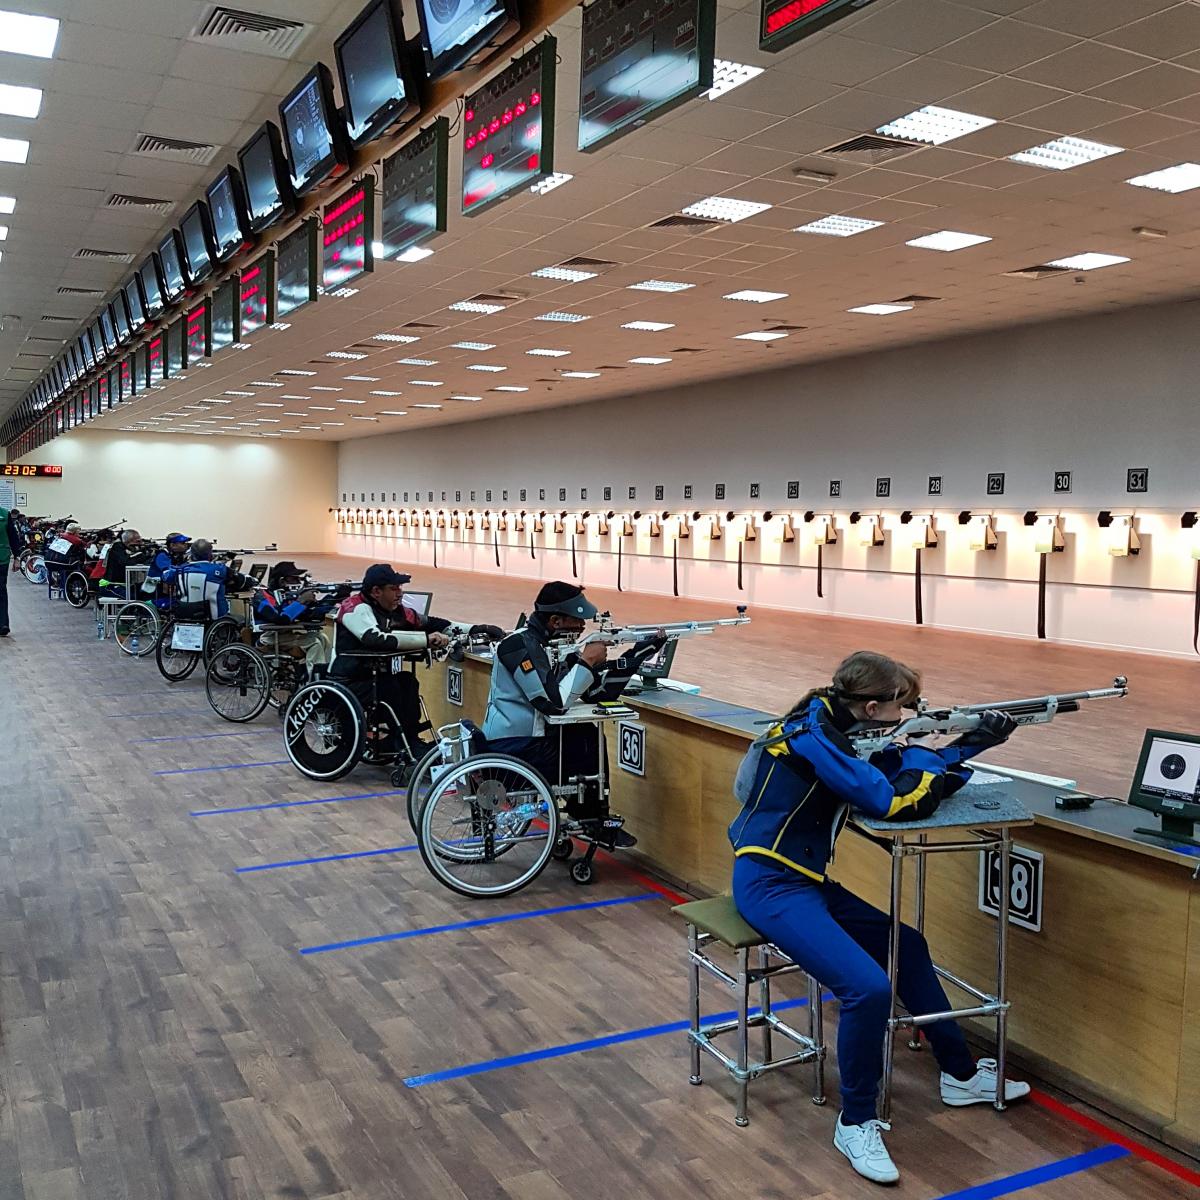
{"x": 637, "y": 61}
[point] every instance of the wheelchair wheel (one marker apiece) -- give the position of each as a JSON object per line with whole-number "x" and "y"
{"x": 174, "y": 665}
{"x": 76, "y": 590}
{"x": 488, "y": 826}
{"x": 33, "y": 567}
{"x": 287, "y": 674}
{"x": 238, "y": 683}
{"x": 419, "y": 786}
{"x": 324, "y": 730}
{"x": 136, "y": 628}
{"x": 224, "y": 631}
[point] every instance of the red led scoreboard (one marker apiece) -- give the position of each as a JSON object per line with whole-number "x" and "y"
{"x": 258, "y": 294}
{"x": 786, "y": 21}
{"x": 346, "y": 235}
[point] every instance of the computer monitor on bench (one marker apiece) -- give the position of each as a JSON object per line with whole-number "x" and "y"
{"x": 419, "y": 602}
{"x": 1167, "y": 782}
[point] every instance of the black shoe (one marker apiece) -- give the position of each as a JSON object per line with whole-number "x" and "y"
{"x": 4, "y": 633}
{"x": 612, "y": 834}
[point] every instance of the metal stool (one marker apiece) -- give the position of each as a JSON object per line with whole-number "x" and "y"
{"x": 718, "y": 920}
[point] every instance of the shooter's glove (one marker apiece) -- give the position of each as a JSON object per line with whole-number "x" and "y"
{"x": 994, "y": 728}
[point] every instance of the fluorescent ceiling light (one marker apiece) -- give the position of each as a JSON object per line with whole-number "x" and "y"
{"x": 387, "y": 393}
{"x": 1087, "y": 262}
{"x": 648, "y": 326}
{"x": 427, "y": 406}
{"x": 569, "y": 318}
{"x": 413, "y": 254}
{"x": 948, "y": 239}
{"x": 758, "y": 335}
{"x": 350, "y": 354}
{"x": 317, "y": 387}
{"x": 426, "y": 383}
{"x": 321, "y": 408}
{"x": 8, "y": 204}
{"x": 317, "y": 427}
{"x": 359, "y": 379}
{"x": 239, "y": 393}
{"x": 412, "y": 362}
{"x": 659, "y": 285}
{"x": 472, "y": 399}
{"x": 280, "y": 326}
{"x": 393, "y": 412}
{"x": 475, "y": 306}
{"x": 292, "y": 371}
{"x": 580, "y": 374}
{"x": 262, "y": 404}
{"x": 293, "y": 414}
{"x": 880, "y": 310}
{"x": 344, "y": 400}
{"x": 837, "y": 226}
{"x": 472, "y": 345}
{"x": 16, "y": 101}
{"x": 356, "y": 417}
{"x": 214, "y": 400}
{"x": 550, "y": 183}
{"x": 756, "y": 297}
{"x": 542, "y": 353}
{"x": 399, "y": 338}
{"x": 1181, "y": 178}
{"x": 3, "y": 233}
{"x": 21, "y": 33}
{"x": 13, "y": 150}
{"x": 934, "y": 125}
{"x": 722, "y": 208}
{"x": 1064, "y": 153}
{"x": 378, "y": 250}
{"x": 485, "y": 367}
{"x": 508, "y": 387}
{"x": 729, "y": 75}
{"x": 566, "y": 274}
{"x": 333, "y": 422}
{"x": 264, "y": 383}
{"x": 649, "y": 362}
{"x": 285, "y": 396}
{"x": 344, "y": 292}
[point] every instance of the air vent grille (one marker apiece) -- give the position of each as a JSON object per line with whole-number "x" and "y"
{"x": 259, "y": 33}
{"x": 419, "y": 325}
{"x": 144, "y": 203}
{"x": 121, "y": 256}
{"x": 684, "y": 224}
{"x": 1041, "y": 271}
{"x": 918, "y": 300}
{"x": 688, "y": 350}
{"x": 58, "y": 317}
{"x": 598, "y": 265}
{"x": 786, "y": 328}
{"x": 79, "y": 291}
{"x": 611, "y": 367}
{"x": 150, "y": 145}
{"x": 871, "y": 148}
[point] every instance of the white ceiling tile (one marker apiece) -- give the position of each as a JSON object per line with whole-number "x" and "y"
{"x": 1006, "y": 45}
{"x": 1088, "y": 18}
{"x": 1084, "y": 66}
{"x": 893, "y": 26}
{"x": 1152, "y": 87}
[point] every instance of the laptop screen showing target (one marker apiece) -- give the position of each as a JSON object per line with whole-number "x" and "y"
{"x": 1167, "y": 782}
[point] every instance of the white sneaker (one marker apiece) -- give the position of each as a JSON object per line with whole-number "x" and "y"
{"x": 863, "y": 1146}
{"x": 981, "y": 1087}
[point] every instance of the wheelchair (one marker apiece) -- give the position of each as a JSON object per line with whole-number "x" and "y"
{"x": 489, "y": 823}
{"x": 82, "y": 584}
{"x": 328, "y": 730}
{"x": 242, "y": 681}
{"x": 189, "y": 636}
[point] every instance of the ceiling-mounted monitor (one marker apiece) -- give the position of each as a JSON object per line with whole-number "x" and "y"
{"x": 636, "y": 66}
{"x": 198, "y": 249}
{"x": 414, "y": 190}
{"x": 120, "y": 319}
{"x": 269, "y": 195}
{"x": 149, "y": 282}
{"x": 314, "y": 133}
{"x": 134, "y": 306}
{"x": 457, "y": 32}
{"x": 170, "y": 259}
{"x": 85, "y": 349}
{"x": 508, "y": 129}
{"x": 378, "y": 84}
{"x": 227, "y": 209}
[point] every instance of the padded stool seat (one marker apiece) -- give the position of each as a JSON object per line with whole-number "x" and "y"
{"x": 717, "y": 922}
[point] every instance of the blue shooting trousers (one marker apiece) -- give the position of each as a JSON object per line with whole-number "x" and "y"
{"x": 843, "y": 942}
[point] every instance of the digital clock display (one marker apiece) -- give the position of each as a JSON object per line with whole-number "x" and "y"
{"x": 641, "y": 58}
{"x": 296, "y": 270}
{"x": 508, "y": 129}
{"x": 347, "y": 230}
{"x": 223, "y": 331}
{"x": 783, "y": 22}
{"x": 199, "y": 333}
{"x": 257, "y": 291}
{"x": 415, "y": 189}
{"x": 31, "y": 470}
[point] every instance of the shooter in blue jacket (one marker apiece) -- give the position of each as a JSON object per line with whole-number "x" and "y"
{"x": 798, "y": 786}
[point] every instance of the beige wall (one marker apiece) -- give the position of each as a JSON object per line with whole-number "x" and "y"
{"x": 240, "y": 492}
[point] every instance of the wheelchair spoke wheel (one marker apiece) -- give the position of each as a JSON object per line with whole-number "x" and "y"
{"x": 419, "y": 786}
{"x": 488, "y": 826}
{"x": 174, "y": 665}
{"x": 238, "y": 683}
{"x": 33, "y": 567}
{"x": 224, "y": 631}
{"x": 76, "y": 590}
{"x": 135, "y": 628}
{"x": 324, "y": 730}
{"x": 287, "y": 674}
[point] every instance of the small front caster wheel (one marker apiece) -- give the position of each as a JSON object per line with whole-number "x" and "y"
{"x": 563, "y": 849}
{"x": 581, "y": 871}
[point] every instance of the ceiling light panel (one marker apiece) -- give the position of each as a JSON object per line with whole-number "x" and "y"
{"x": 21, "y": 33}
{"x": 509, "y": 387}
{"x": 426, "y": 383}
{"x": 348, "y": 354}
{"x": 550, "y": 182}
{"x": 387, "y": 393}
{"x": 427, "y": 406}
{"x": 18, "y": 101}
{"x": 8, "y": 204}
{"x": 13, "y": 150}
{"x": 563, "y": 274}
{"x": 838, "y": 226}
{"x": 649, "y": 362}
{"x": 659, "y": 285}
{"x": 948, "y": 240}
{"x": 470, "y": 399}
{"x": 759, "y": 335}
{"x": 722, "y": 208}
{"x": 472, "y": 345}
{"x": 492, "y": 367}
{"x": 359, "y": 379}
{"x": 580, "y": 374}
{"x": 413, "y": 254}
{"x": 729, "y": 75}
{"x": 413, "y": 362}
{"x": 402, "y": 339}
{"x": 649, "y": 326}
{"x": 293, "y": 371}
{"x": 1064, "y": 153}
{"x": 565, "y": 317}
{"x": 543, "y": 353}
{"x": 1087, "y": 262}
{"x": 880, "y": 310}
{"x": 475, "y": 306}
{"x": 1181, "y": 178}
{"x": 934, "y": 125}
{"x": 756, "y": 297}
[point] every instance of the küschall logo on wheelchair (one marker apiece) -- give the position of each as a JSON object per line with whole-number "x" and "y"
{"x": 298, "y": 717}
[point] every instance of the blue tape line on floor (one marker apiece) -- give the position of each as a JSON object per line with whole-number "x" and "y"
{"x": 278, "y": 762}
{"x": 612, "y": 1039}
{"x": 323, "y": 858}
{"x": 162, "y": 712}
{"x": 212, "y": 812}
{"x": 501, "y": 920}
{"x": 200, "y": 737}
{"x": 1027, "y": 1179}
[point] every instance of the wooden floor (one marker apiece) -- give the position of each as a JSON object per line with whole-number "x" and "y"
{"x": 164, "y": 1036}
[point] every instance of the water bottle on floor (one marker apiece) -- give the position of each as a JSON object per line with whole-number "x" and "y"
{"x": 133, "y": 647}
{"x": 99, "y": 625}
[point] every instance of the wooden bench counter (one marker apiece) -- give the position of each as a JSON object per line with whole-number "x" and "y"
{"x": 1106, "y": 997}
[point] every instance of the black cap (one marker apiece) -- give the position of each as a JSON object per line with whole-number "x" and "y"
{"x": 566, "y": 599}
{"x": 286, "y": 570}
{"x": 382, "y": 575}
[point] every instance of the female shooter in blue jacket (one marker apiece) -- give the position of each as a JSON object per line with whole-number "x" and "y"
{"x": 804, "y": 785}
